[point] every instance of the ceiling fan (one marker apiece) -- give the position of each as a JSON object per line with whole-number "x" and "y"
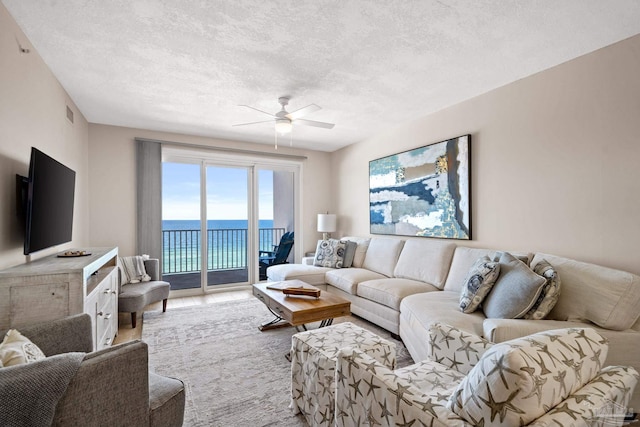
{"x": 284, "y": 120}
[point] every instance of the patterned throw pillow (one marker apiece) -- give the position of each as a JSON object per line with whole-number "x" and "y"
{"x": 16, "y": 349}
{"x": 517, "y": 381}
{"x": 515, "y": 291}
{"x": 550, "y": 291}
{"x": 330, "y": 253}
{"x": 480, "y": 279}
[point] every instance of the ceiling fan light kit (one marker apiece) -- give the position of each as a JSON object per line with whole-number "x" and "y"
{"x": 284, "y": 120}
{"x": 283, "y": 126}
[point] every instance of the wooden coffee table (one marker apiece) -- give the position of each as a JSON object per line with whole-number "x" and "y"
{"x": 299, "y": 310}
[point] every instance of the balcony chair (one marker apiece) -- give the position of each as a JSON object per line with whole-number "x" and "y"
{"x": 134, "y": 297}
{"x": 279, "y": 254}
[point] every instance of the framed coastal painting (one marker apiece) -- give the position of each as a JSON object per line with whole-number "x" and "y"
{"x": 423, "y": 192}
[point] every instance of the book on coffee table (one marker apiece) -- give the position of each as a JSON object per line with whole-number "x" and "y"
{"x": 289, "y": 284}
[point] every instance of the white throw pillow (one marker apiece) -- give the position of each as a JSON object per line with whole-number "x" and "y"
{"x": 16, "y": 349}
{"x": 361, "y": 249}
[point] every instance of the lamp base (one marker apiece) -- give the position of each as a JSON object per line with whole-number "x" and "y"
{"x": 326, "y": 236}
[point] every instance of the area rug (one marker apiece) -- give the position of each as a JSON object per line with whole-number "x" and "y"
{"x": 234, "y": 374}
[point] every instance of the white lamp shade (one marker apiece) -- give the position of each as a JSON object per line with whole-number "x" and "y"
{"x": 326, "y": 223}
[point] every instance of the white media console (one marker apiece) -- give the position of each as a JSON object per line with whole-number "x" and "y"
{"x": 54, "y": 287}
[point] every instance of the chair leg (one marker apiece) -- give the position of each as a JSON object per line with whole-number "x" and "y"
{"x": 164, "y": 305}
{"x": 133, "y": 320}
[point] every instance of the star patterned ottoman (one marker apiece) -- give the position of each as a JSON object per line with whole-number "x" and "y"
{"x": 313, "y": 364}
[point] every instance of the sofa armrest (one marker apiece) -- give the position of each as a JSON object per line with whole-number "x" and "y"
{"x": 603, "y": 401}
{"x": 368, "y": 390}
{"x": 110, "y": 388}
{"x": 70, "y": 334}
{"x": 454, "y": 348}
{"x": 153, "y": 268}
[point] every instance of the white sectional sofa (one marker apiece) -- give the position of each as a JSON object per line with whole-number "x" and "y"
{"x": 405, "y": 285}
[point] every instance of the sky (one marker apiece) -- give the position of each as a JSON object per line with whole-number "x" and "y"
{"x": 226, "y": 192}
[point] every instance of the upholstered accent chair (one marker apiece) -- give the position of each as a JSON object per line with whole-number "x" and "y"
{"x": 134, "y": 297}
{"x": 111, "y": 387}
{"x": 549, "y": 378}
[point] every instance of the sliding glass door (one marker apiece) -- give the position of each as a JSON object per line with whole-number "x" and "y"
{"x": 181, "y": 225}
{"x": 276, "y": 209}
{"x": 223, "y": 220}
{"x": 227, "y": 212}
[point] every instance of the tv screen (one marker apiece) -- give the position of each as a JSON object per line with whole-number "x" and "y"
{"x": 49, "y": 205}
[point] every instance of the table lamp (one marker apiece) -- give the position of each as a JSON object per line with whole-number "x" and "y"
{"x": 326, "y": 224}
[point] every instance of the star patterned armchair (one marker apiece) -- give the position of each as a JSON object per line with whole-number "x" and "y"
{"x": 550, "y": 378}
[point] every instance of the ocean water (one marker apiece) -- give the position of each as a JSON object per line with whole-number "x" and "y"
{"x": 226, "y": 241}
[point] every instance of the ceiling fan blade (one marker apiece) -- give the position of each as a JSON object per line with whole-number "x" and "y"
{"x": 254, "y": 108}
{"x": 314, "y": 123}
{"x": 302, "y": 112}
{"x": 254, "y": 123}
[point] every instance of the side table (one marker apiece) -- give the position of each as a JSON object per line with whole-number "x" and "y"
{"x": 313, "y": 364}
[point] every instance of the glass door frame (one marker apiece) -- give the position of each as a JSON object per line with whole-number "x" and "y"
{"x": 206, "y": 164}
{"x": 253, "y": 163}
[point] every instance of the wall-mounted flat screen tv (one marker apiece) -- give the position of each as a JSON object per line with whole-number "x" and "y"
{"x": 49, "y": 203}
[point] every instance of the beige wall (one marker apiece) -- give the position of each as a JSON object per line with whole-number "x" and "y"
{"x": 113, "y": 194}
{"x": 555, "y": 160}
{"x": 33, "y": 113}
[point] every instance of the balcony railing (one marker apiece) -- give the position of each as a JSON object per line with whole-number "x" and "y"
{"x": 226, "y": 248}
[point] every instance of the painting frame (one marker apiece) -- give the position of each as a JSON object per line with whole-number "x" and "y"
{"x": 423, "y": 192}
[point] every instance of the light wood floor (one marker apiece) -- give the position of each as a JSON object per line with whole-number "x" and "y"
{"x": 126, "y": 333}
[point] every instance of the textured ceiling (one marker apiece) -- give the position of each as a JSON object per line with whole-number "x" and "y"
{"x": 185, "y": 65}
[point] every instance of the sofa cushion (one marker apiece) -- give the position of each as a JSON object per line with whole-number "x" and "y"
{"x": 480, "y": 279}
{"x": 166, "y": 401}
{"x": 136, "y": 296}
{"x": 382, "y": 255}
{"x": 418, "y": 311}
{"x": 330, "y": 253}
{"x": 348, "y": 279}
{"x": 425, "y": 260}
{"x": 391, "y": 291}
{"x": 550, "y": 291}
{"x": 607, "y": 297}
{"x": 515, "y": 381}
{"x": 515, "y": 291}
{"x": 307, "y": 273}
{"x": 361, "y": 249}
{"x": 463, "y": 259}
